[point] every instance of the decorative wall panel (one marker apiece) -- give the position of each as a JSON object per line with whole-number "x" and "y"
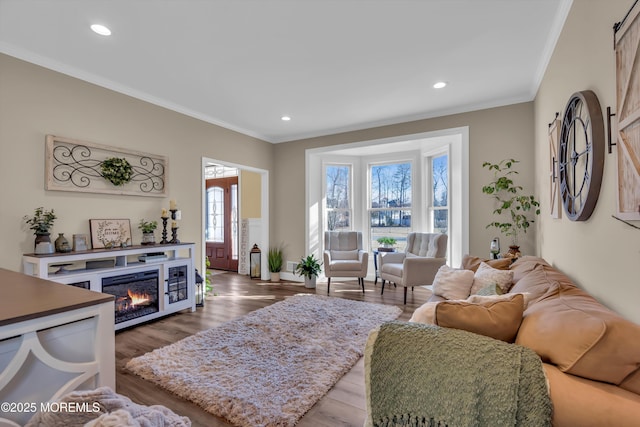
{"x": 73, "y": 165}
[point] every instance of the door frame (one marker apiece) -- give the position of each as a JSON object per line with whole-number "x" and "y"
{"x": 264, "y": 208}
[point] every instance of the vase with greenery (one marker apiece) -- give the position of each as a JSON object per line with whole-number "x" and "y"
{"x": 41, "y": 223}
{"x": 308, "y": 267}
{"x": 275, "y": 259}
{"x": 515, "y": 211}
{"x": 147, "y": 228}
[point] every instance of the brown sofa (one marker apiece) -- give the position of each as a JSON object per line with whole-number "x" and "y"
{"x": 591, "y": 355}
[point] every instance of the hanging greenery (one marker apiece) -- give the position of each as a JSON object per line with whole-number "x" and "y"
{"x": 116, "y": 170}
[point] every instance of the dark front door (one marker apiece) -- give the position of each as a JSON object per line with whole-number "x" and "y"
{"x": 222, "y": 223}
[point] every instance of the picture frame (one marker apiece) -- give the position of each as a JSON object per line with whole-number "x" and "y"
{"x": 110, "y": 233}
{"x": 80, "y": 242}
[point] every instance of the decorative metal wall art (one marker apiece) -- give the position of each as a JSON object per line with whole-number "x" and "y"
{"x": 73, "y": 165}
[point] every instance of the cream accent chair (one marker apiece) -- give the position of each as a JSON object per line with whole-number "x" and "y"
{"x": 344, "y": 256}
{"x": 424, "y": 255}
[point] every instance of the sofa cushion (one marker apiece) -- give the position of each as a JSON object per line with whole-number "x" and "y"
{"x": 535, "y": 282}
{"x": 452, "y": 283}
{"x": 496, "y": 318}
{"x": 473, "y": 262}
{"x": 524, "y": 265}
{"x": 486, "y": 275}
{"x": 340, "y": 255}
{"x": 580, "y": 336}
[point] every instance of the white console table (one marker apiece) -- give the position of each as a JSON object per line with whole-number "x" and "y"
{"x": 91, "y": 269}
{"x": 53, "y": 339}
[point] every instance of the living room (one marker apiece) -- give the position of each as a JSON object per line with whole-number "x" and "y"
{"x": 599, "y": 254}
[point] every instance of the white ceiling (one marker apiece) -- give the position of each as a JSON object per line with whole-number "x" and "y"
{"x": 332, "y": 65}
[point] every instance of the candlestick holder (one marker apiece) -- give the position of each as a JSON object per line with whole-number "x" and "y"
{"x": 173, "y": 213}
{"x": 164, "y": 230}
{"x": 174, "y": 235}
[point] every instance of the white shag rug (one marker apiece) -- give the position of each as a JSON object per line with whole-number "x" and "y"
{"x": 271, "y": 366}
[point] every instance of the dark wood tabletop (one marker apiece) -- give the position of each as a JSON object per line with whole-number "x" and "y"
{"x": 25, "y": 297}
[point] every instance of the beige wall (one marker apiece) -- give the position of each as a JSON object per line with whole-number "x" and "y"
{"x": 601, "y": 254}
{"x": 35, "y": 101}
{"x": 494, "y": 134}
{"x": 250, "y": 194}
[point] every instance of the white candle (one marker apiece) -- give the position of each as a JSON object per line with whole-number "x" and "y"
{"x": 174, "y": 224}
{"x": 172, "y": 205}
{"x": 164, "y": 213}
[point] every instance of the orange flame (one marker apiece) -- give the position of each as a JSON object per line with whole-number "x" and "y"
{"x": 137, "y": 299}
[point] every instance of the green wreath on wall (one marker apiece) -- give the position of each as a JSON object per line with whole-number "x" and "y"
{"x": 116, "y": 170}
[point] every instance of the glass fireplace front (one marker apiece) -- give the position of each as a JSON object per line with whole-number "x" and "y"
{"x": 136, "y": 294}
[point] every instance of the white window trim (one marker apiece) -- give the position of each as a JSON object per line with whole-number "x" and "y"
{"x": 458, "y": 141}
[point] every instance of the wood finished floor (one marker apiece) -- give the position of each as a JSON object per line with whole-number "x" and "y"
{"x": 236, "y": 295}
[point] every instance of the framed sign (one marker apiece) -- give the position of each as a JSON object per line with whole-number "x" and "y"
{"x": 110, "y": 233}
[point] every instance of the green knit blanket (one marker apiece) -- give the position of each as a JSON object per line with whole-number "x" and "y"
{"x": 424, "y": 375}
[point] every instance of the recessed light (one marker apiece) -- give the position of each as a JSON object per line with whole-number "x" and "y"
{"x": 285, "y": 118}
{"x": 439, "y": 85}
{"x": 101, "y": 29}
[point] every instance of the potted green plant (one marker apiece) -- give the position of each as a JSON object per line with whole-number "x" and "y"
{"x": 308, "y": 267}
{"x": 41, "y": 223}
{"x": 387, "y": 244}
{"x": 275, "y": 259}
{"x": 516, "y": 211}
{"x": 147, "y": 228}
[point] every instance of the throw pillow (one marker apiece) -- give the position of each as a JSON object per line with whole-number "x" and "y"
{"x": 426, "y": 313}
{"x": 487, "y": 275}
{"x": 451, "y": 283}
{"x": 499, "y": 319}
{"x": 473, "y": 262}
{"x": 492, "y": 289}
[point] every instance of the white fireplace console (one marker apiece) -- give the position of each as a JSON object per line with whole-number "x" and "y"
{"x": 106, "y": 270}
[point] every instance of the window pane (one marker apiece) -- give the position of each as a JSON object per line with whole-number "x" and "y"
{"x": 390, "y": 185}
{"x": 338, "y": 179}
{"x": 338, "y": 220}
{"x": 440, "y": 179}
{"x": 441, "y": 221}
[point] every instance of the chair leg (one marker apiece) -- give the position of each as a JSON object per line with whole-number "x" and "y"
{"x": 382, "y": 292}
{"x": 328, "y": 284}
{"x": 405, "y": 295}
{"x": 362, "y": 283}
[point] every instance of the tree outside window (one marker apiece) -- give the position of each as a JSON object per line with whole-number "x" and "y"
{"x": 390, "y": 202}
{"x": 338, "y": 197}
{"x": 440, "y": 194}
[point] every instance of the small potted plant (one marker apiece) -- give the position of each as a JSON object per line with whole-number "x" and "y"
{"x": 308, "y": 267}
{"x": 275, "y": 260}
{"x": 515, "y": 211}
{"x": 386, "y": 243}
{"x": 41, "y": 223}
{"x": 148, "y": 227}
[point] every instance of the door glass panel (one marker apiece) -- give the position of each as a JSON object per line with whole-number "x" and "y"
{"x": 234, "y": 221}
{"x": 215, "y": 214}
